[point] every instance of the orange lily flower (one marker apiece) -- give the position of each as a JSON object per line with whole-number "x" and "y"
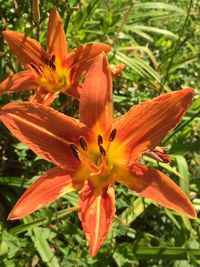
{"x": 93, "y": 154}
{"x": 51, "y": 71}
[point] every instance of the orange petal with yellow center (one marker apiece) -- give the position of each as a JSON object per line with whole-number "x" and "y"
{"x": 21, "y": 81}
{"x": 49, "y": 187}
{"x": 144, "y": 126}
{"x": 96, "y": 211}
{"x": 155, "y": 185}
{"x": 96, "y": 107}
{"x": 26, "y": 49}
{"x": 80, "y": 59}
{"x": 56, "y": 40}
{"x": 47, "y": 132}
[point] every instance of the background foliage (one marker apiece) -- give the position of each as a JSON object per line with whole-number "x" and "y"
{"x": 159, "y": 44}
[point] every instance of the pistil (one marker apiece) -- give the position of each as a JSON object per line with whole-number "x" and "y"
{"x": 100, "y": 166}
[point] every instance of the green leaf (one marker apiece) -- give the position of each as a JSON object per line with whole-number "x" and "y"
{"x": 168, "y": 253}
{"x": 183, "y": 170}
{"x": 136, "y": 209}
{"x": 42, "y": 246}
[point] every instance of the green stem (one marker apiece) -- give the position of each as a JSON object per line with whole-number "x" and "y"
{"x": 177, "y": 46}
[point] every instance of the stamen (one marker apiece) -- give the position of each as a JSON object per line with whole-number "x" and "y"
{"x": 100, "y": 140}
{"x": 53, "y": 66}
{"x": 44, "y": 75}
{"x": 74, "y": 150}
{"x": 102, "y": 150}
{"x": 53, "y": 58}
{"x": 35, "y": 68}
{"x": 46, "y": 61}
{"x": 83, "y": 142}
{"x": 112, "y": 135}
{"x": 50, "y": 64}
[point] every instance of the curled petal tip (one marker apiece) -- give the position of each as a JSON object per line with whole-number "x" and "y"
{"x": 116, "y": 69}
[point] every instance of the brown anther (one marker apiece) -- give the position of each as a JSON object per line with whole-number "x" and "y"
{"x": 83, "y": 142}
{"x": 102, "y": 150}
{"x": 35, "y": 68}
{"x": 46, "y": 61}
{"x": 100, "y": 140}
{"x": 74, "y": 150}
{"x": 50, "y": 64}
{"x": 112, "y": 135}
{"x": 53, "y": 66}
{"x": 53, "y": 58}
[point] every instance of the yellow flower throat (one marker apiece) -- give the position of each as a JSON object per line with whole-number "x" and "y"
{"x": 97, "y": 165}
{"x": 52, "y": 75}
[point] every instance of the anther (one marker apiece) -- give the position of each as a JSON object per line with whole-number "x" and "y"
{"x": 112, "y": 135}
{"x": 100, "y": 140}
{"x": 53, "y": 66}
{"x": 35, "y": 67}
{"x": 83, "y": 142}
{"x": 74, "y": 150}
{"x": 102, "y": 150}
{"x": 46, "y": 61}
{"x": 53, "y": 58}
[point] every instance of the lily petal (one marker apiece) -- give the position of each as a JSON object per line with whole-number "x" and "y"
{"x": 56, "y": 40}
{"x": 75, "y": 90}
{"x": 96, "y": 108}
{"x": 47, "y": 132}
{"x": 21, "y": 81}
{"x": 80, "y": 59}
{"x": 145, "y": 125}
{"x": 44, "y": 97}
{"x": 26, "y": 49}
{"x": 96, "y": 211}
{"x": 49, "y": 187}
{"x": 153, "y": 184}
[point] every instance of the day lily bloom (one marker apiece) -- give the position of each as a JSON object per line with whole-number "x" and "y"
{"x": 52, "y": 71}
{"x": 93, "y": 154}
